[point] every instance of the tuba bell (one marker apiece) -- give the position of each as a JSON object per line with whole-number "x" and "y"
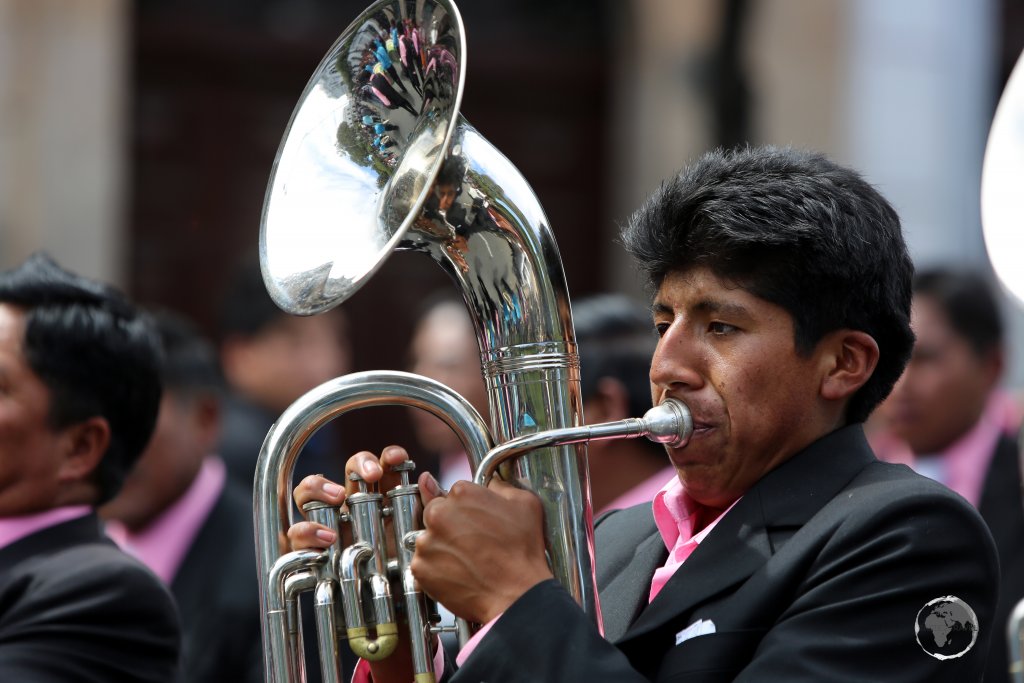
{"x": 375, "y": 159}
{"x": 1001, "y": 211}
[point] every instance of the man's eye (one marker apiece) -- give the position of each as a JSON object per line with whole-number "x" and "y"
{"x": 661, "y": 328}
{"x": 721, "y": 328}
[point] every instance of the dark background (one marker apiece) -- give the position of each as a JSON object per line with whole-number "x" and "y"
{"x": 215, "y": 81}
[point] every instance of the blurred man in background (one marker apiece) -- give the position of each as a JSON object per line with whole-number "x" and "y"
{"x": 948, "y": 418}
{"x": 79, "y": 393}
{"x": 616, "y": 340}
{"x": 270, "y": 358}
{"x": 444, "y": 348}
{"x": 180, "y": 514}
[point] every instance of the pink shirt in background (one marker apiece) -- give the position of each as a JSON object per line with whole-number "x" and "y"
{"x": 964, "y": 465}
{"x": 163, "y": 544}
{"x": 644, "y": 492}
{"x": 16, "y": 528}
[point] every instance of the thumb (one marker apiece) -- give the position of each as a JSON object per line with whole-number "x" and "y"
{"x": 429, "y": 488}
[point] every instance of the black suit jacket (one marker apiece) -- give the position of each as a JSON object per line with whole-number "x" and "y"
{"x": 1003, "y": 511}
{"x": 217, "y": 592}
{"x": 73, "y": 607}
{"x": 817, "y": 574}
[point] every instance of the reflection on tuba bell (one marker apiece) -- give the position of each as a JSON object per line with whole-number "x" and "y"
{"x": 377, "y": 158}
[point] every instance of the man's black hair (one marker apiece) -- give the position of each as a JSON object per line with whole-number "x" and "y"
{"x": 96, "y": 353}
{"x": 190, "y": 365}
{"x": 794, "y": 229}
{"x": 246, "y": 307}
{"x": 969, "y": 304}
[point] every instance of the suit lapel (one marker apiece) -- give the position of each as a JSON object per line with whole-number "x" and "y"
{"x": 736, "y": 548}
{"x": 749, "y": 534}
{"x": 626, "y": 595}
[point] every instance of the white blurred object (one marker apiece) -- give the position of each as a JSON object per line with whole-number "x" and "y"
{"x": 1002, "y": 186}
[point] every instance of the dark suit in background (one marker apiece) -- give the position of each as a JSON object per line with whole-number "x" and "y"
{"x": 1002, "y": 509}
{"x": 222, "y": 634}
{"x": 73, "y": 607}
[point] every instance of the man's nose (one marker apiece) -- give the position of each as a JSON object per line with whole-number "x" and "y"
{"x": 676, "y": 361}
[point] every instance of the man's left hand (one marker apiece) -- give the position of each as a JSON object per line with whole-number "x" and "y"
{"x": 482, "y": 548}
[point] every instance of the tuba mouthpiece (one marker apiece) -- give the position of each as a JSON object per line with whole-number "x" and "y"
{"x": 669, "y": 423}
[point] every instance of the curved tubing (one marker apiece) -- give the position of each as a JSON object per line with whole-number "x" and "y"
{"x": 272, "y": 507}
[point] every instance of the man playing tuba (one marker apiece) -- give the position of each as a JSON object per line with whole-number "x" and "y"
{"x": 783, "y": 550}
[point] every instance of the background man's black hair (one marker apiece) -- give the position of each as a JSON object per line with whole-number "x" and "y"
{"x": 794, "y": 229}
{"x": 190, "y": 365}
{"x": 969, "y": 304}
{"x": 616, "y": 339}
{"x": 246, "y": 308}
{"x": 97, "y": 354}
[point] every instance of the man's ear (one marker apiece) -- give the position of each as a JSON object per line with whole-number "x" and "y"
{"x": 993, "y": 364}
{"x": 851, "y": 357}
{"x": 86, "y": 443}
{"x": 207, "y": 416}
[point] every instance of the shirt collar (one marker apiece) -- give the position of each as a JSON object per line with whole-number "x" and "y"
{"x": 675, "y": 513}
{"x": 163, "y": 544}
{"x": 15, "y": 528}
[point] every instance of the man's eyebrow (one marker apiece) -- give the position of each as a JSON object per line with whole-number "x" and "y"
{"x": 660, "y": 309}
{"x": 721, "y": 307}
{"x": 706, "y": 306}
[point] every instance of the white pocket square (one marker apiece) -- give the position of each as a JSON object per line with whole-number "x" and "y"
{"x": 701, "y": 627}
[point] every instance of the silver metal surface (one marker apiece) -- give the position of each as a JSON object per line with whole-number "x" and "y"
{"x": 377, "y": 158}
{"x": 668, "y": 423}
{"x": 1015, "y": 640}
{"x": 360, "y": 153}
{"x": 1002, "y": 205}
{"x": 326, "y": 630}
{"x": 406, "y": 515}
{"x": 272, "y": 508}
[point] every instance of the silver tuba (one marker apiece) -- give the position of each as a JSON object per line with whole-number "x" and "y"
{"x": 1001, "y": 217}
{"x": 376, "y": 158}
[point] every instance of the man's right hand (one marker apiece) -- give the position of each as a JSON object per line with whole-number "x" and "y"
{"x": 318, "y": 488}
{"x": 398, "y": 667}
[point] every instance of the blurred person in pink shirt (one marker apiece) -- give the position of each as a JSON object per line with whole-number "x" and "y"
{"x": 949, "y": 419}
{"x": 180, "y": 514}
{"x": 616, "y": 342}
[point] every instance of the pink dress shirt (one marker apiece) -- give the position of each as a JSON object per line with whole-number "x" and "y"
{"x": 15, "y": 528}
{"x": 677, "y": 516}
{"x": 163, "y": 544}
